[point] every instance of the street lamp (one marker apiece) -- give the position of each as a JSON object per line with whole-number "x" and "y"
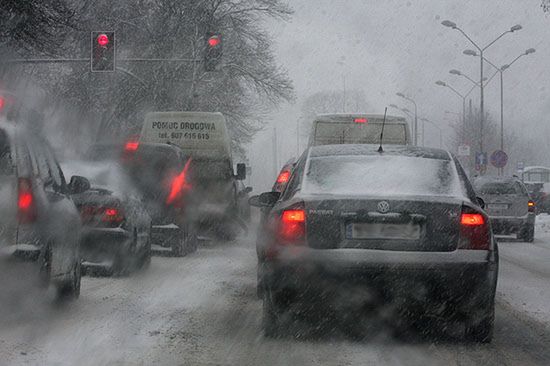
{"x": 501, "y": 70}
{"x": 415, "y": 115}
{"x": 515, "y": 28}
{"x": 463, "y": 97}
{"x": 459, "y": 73}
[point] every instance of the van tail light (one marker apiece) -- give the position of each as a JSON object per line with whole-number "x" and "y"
{"x": 26, "y": 205}
{"x": 292, "y": 227}
{"x": 474, "y": 230}
{"x": 531, "y": 206}
{"x": 179, "y": 186}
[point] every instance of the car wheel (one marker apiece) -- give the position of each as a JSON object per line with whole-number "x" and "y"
{"x": 70, "y": 289}
{"x": 146, "y": 256}
{"x": 46, "y": 267}
{"x": 527, "y": 234}
{"x": 270, "y": 321}
{"x": 186, "y": 243}
{"x": 482, "y": 331}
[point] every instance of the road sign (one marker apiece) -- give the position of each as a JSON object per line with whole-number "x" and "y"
{"x": 464, "y": 150}
{"x": 481, "y": 159}
{"x": 520, "y": 165}
{"x": 499, "y": 159}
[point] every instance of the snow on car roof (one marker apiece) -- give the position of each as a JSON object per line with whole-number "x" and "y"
{"x": 369, "y": 149}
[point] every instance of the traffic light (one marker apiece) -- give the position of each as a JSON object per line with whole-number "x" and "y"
{"x": 103, "y": 51}
{"x": 213, "y": 51}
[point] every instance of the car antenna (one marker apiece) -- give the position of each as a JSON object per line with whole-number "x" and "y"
{"x": 380, "y": 149}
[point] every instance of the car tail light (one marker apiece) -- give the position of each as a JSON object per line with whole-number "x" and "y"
{"x": 112, "y": 215}
{"x": 292, "y": 227}
{"x": 26, "y": 207}
{"x": 283, "y": 177}
{"x": 531, "y": 206}
{"x": 474, "y": 230}
{"x": 360, "y": 120}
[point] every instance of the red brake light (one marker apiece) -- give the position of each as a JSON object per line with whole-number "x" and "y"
{"x": 472, "y": 219}
{"x": 131, "y": 146}
{"x": 474, "y": 231}
{"x": 360, "y": 120}
{"x": 25, "y": 201}
{"x": 292, "y": 229}
{"x": 2, "y": 102}
{"x": 179, "y": 184}
{"x": 112, "y": 215}
{"x": 283, "y": 177}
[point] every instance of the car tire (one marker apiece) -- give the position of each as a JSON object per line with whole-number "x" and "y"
{"x": 527, "y": 234}
{"x": 70, "y": 289}
{"x": 271, "y": 323}
{"x": 145, "y": 261}
{"x": 482, "y": 331}
{"x": 186, "y": 243}
{"x": 46, "y": 267}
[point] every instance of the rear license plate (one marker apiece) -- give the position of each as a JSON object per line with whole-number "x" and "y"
{"x": 497, "y": 206}
{"x": 383, "y": 231}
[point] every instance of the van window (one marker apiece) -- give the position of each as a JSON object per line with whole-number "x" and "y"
{"x": 330, "y": 133}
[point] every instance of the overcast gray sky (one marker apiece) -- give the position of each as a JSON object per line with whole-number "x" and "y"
{"x": 386, "y": 46}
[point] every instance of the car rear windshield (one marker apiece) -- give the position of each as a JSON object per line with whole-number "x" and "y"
{"x": 329, "y": 133}
{"x": 382, "y": 175}
{"x": 500, "y": 188}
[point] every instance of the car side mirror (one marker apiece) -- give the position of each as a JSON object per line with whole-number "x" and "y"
{"x": 78, "y": 184}
{"x": 241, "y": 171}
{"x": 481, "y": 202}
{"x": 267, "y": 199}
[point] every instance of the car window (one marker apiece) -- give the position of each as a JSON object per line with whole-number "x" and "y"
{"x": 385, "y": 174}
{"x": 499, "y": 188}
{"x": 6, "y": 167}
{"x": 55, "y": 170}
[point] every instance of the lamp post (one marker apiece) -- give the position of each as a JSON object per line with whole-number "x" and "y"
{"x": 415, "y": 115}
{"x": 452, "y": 25}
{"x": 463, "y": 97}
{"x": 501, "y": 70}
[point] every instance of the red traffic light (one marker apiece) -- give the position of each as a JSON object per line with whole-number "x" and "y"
{"x": 103, "y": 40}
{"x": 214, "y": 41}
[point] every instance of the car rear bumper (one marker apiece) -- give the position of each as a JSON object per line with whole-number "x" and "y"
{"x": 24, "y": 252}
{"x": 101, "y": 246}
{"x": 461, "y": 275}
{"x": 510, "y": 224}
{"x": 165, "y": 235}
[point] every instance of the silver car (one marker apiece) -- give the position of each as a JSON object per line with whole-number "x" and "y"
{"x": 509, "y": 206}
{"x": 39, "y": 223}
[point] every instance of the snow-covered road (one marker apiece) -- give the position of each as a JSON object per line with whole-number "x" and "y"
{"x": 202, "y": 310}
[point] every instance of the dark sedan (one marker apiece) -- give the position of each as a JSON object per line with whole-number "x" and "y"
{"x": 116, "y": 226}
{"x": 402, "y": 227}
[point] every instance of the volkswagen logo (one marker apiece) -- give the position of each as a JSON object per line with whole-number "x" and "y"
{"x": 383, "y": 207}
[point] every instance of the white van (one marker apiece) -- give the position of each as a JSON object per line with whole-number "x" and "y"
{"x": 204, "y": 140}
{"x": 199, "y": 133}
{"x": 331, "y": 129}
